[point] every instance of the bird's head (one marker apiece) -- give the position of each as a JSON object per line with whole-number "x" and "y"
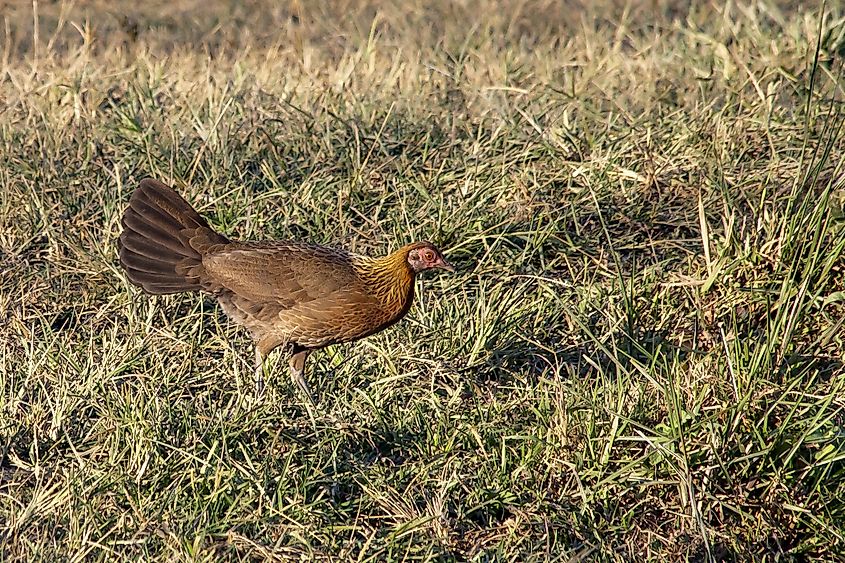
{"x": 425, "y": 256}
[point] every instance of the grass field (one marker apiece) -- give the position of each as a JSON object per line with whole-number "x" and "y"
{"x": 640, "y": 358}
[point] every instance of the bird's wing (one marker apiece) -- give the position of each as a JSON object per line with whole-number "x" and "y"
{"x": 284, "y": 275}
{"x": 310, "y": 294}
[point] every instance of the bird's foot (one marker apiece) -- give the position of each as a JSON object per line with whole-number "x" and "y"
{"x": 299, "y": 379}
{"x": 259, "y": 384}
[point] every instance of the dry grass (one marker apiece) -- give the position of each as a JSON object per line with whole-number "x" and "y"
{"x": 642, "y": 355}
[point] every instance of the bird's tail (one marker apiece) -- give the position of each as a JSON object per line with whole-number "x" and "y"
{"x": 163, "y": 240}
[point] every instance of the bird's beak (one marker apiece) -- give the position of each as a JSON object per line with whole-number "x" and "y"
{"x": 446, "y": 265}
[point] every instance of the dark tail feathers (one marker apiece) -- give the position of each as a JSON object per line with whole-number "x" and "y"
{"x": 163, "y": 240}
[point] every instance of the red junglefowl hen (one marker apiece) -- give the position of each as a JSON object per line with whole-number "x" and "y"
{"x": 296, "y": 294}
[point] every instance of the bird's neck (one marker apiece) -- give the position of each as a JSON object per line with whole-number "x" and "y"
{"x": 390, "y": 279}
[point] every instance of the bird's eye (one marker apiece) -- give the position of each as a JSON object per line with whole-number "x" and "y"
{"x": 428, "y": 255}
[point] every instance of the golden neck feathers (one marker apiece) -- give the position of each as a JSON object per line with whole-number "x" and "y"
{"x": 389, "y": 278}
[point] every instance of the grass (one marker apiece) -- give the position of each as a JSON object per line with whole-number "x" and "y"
{"x": 641, "y": 357}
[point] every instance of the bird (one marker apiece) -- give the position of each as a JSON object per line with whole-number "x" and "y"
{"x": 297, "y": 294}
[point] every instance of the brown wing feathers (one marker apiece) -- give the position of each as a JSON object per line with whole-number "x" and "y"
{"x": 163, "y": 240}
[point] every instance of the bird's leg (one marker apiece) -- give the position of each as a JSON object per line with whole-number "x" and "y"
{"x": 297, "y": 370}
{"x": 259, "y": 373}
{"x": 264, "y": 344}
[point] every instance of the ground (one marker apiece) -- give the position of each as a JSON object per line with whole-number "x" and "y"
{"x": 640, "y": 358}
